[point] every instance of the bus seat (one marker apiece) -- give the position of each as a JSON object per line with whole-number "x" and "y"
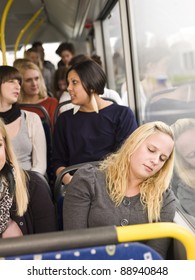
{"x": 162, "y": 107}
{"x": 60, "y": 189}
{"x": 123, "y": 251}
{"x": 108, "y": 242}
{"x": 57, "y": 110}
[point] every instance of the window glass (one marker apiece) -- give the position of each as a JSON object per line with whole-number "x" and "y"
{"x": 164, "y": 40}
{"x": 114, "y": 52}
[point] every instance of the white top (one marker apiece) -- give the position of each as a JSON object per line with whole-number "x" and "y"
{"x": 30, "y": 143}
{"x": 109, "y": 93}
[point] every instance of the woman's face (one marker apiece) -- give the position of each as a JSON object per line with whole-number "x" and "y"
{"x": 75, "y": 88}
{"x": 2, "y": 152}
{"x": 66, "y": 57}
{"x": 34, "y": 57}
{"x": 31, "y": 82}
{"x": 150, "y": 156}
{"x": 185, "y": 146}
{"x": 10, "y": 91}
{"x": 62, "y": 85}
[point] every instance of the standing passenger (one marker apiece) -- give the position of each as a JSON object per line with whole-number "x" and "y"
{"x": 130, "y": 187}
{"x": 66, "y": 51}
{"x": 94, "y": 127}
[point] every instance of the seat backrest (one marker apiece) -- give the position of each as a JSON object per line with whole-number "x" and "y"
{"x": 123, "y": 251}
{"x": 162, "y": 106}
{"x": 97, "y": 243}
{"x": 57, "y": 110}
{"x": 40, "y": 110}
{"x": 60, "y": 188}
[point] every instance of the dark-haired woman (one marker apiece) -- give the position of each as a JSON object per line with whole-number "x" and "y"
{"x": 94, "y": 127}
{"x": 24, "y": 128}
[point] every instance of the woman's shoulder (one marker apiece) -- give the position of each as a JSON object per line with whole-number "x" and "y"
{"x": 30, "y": 115}
{"x": 87, "y": 169}
{"x": 49, "y": 100}
{"x": 118, "y": 111}
{"x": 168, "y": 196}
{"x": 87, "y": 179}
{"x": 89, "y": 172}
{"x": 52, "y": 99}
{"x": 37, "y": 183}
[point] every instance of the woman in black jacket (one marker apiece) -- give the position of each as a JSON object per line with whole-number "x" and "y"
{"x": 26, "y": 206}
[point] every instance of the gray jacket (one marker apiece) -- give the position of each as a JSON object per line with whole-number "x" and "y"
{"x": 87, "y": 204}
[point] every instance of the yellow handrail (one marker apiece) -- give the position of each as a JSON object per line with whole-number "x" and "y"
{"x": 159, "y": 230}
{"x": 4, "y": 17}
{"x": 37, "y": 26}
{"x": 25, "y": 28}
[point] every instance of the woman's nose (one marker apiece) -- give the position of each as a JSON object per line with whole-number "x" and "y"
{"x": 155, "y": 160}
{"x": 69, "y": 88}
{"x": 17, "y": 83}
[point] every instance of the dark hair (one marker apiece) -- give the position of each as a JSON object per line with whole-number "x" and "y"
{"x": 37, "y": 44}
{"x": 65, "y": 47}
{"x": 32, "y": 49}
{"x": 97, "y": 59}
{"x": 91, "y": 75}
{"x": 60, "y": 74}
{"x": 78, "y": 58}
{"x": 9, "y": 73}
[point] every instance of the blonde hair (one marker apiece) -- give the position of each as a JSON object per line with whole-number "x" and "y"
{"x": 183, "y": 169}
{"x": 28, "y": 65}
{"x": 116, "y": 168}
{"x": 21, "y": 193}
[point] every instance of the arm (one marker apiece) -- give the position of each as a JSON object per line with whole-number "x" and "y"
{"x": 39, "y": 149}
{"x": 60, "y": 149}
{"x": 78, "y": 199}
{"x": 67, "y": 177}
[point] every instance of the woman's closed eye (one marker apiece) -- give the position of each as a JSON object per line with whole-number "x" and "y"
{"x": 151, "y": 150}
{"x": 162, "y": 158}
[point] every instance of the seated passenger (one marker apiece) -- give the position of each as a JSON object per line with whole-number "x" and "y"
{"x": 33, "y": 55}
{"x": 94, "y": 127}
{"x": 26, "y": 206}
{"x": 183, "y": 182}
{"x": 60, "y": 83}
{"x": 131, "y": 186}
{"x": 24, "y": 128}
{"x": 33, "y": 90}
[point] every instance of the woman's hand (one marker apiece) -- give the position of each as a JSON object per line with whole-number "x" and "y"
{"x": 66, "y": 179}
{"x": 12, "y": 230}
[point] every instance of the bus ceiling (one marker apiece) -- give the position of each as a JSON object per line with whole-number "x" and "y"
{"x": 56, "y": 21}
